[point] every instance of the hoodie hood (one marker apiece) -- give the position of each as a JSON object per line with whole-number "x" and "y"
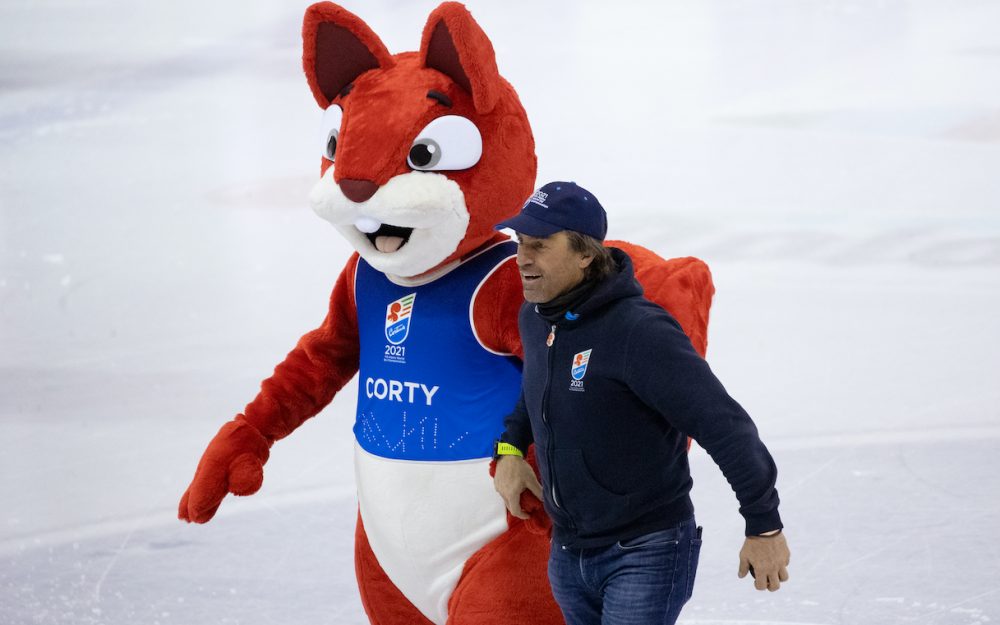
{"x": 588, "y": 298}
{"x": 619, "y": 284}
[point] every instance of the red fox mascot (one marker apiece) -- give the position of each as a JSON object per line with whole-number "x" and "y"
{"x": 423, "y": 153}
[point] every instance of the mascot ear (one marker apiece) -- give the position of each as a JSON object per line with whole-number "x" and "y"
{"x": 337, "y": 47}
{"x": 455, "y": 45}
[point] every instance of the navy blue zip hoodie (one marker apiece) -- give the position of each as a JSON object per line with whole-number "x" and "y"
{"x": 609, "y": 406}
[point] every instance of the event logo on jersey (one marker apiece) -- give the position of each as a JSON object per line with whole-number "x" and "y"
{"x": 579, "y": 369}
{"x": 397, "y": 319}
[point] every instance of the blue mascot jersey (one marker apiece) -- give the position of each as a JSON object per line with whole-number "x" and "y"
{"x": 427, "y": 389}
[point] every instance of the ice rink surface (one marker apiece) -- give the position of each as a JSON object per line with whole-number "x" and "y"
{"x": 837, "y": 164}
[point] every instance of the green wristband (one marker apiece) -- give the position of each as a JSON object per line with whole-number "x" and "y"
{"x": 506, "y": 449}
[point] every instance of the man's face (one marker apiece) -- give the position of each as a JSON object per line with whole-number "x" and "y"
{"x": 549, "y": 266}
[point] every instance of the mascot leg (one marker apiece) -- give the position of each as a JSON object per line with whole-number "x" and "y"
{"x": 506, "y": 582}
{"x": 383, "y": 602}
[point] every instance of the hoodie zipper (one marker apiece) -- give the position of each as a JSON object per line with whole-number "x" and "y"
{"x": 550, "y": 342}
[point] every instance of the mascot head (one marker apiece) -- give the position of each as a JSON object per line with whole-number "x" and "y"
{"x": 423, "y": 152}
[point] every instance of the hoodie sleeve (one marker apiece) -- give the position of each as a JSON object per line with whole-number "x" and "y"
{"x": 663, "y": 369}
{"x": 518, "y": 427}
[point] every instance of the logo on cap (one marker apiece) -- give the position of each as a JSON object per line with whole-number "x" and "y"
{"x": 539, "y": 198}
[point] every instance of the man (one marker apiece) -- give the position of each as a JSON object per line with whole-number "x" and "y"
{"x": 611, "y": 390}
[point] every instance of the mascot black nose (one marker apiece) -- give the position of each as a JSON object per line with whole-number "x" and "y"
{"x": 358, "y": 190}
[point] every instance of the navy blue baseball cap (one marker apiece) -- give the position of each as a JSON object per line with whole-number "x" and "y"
{"x": 560, "y": 206}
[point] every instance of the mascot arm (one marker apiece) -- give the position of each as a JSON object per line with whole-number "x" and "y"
{"x": 495, "y": 310}
{"x": 323, "y": 361}
{"x": 302, "y": 385}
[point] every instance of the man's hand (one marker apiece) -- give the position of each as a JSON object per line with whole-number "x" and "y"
{"x": 513, "y": 476}
{"x": 767, "y": 557}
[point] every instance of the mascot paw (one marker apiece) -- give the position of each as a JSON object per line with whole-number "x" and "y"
{"x": 232, "y": 463}
{"x": 539, "y": 523}
{"x": 246, "y": 475}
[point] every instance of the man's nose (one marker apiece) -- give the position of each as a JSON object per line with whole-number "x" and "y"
{"x": 522, "y": 257}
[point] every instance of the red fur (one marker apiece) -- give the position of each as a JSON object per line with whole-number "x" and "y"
{"x": 506, "y": 580}
{"x": 382, "y": 601}
{"x": 306, "y": 381}
{"x": 451, "y": 32}
{"x": 388, "y": 107}
{"x": 497, "y": 304}
{"x": 347, "y": 67}
{"x": 312, "y": 373}
{"x": 233, "y": 463}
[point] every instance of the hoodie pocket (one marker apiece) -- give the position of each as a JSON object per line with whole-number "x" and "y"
{"x": 591, "y": 506}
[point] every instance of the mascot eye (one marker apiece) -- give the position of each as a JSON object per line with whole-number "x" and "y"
{"x": 425, "y": 154}
{"x": 447, "y": 143}
{"x": 331, "y": 130}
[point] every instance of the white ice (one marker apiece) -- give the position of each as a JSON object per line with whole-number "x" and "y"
{"x": 837, "y": 163}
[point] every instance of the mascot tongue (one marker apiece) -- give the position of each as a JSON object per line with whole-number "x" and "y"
{"x": 388, "y": 244}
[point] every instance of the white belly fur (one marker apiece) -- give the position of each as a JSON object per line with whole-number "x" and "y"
{"x": 424, "y": 520}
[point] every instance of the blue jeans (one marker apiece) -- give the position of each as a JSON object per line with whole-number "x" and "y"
{"x": 640, "y": 581}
